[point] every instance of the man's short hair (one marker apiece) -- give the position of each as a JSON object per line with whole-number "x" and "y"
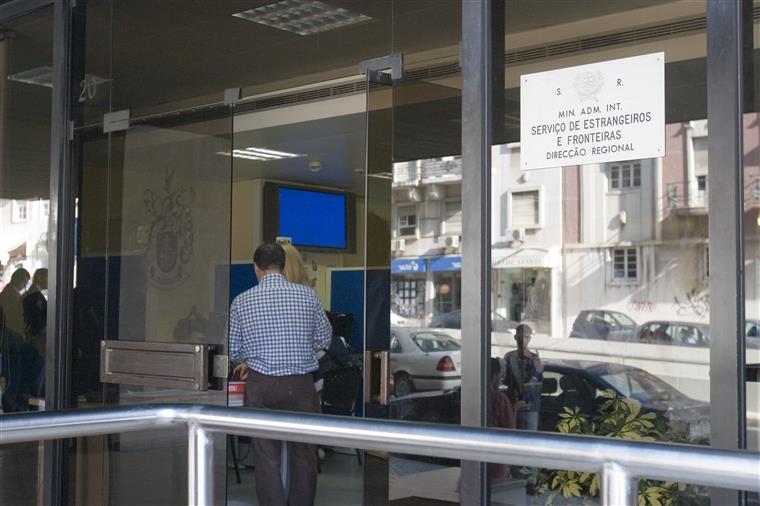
{"x": 19, "y": 275}
{"x": 522, "y": 331}
{"x": 269, "y": 256}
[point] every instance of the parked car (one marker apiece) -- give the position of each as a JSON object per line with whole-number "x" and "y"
{"x": 397, "y": 319}
{"x": 453, "y": 320}
{"x": 424, "y": 359}
{"x": 602, "y": 324}
{"x": 753, "y": 333}
{"x": 578, "y": 384}
{"x": 672, "y": 333}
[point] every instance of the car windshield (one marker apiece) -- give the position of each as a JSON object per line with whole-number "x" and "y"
{"x": 429, "y": 342}
{"x": 641, "y": 386}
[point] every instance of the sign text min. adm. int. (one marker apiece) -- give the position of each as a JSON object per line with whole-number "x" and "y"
{"x": 602, "y": 112}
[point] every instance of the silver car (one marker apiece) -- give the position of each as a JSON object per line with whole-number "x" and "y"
{"x": 424, "y": 359}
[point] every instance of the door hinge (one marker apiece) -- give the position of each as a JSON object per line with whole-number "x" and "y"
{"x": 387, "y": 70}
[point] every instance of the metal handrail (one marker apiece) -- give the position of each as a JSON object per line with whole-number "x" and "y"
{"x": 621, "y": 462}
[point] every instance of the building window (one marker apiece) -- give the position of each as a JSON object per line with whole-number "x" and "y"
{"x": 706, "y": 260}
{"x": 452, "y": 219}
{"x": 525, "y": 209}
{"x": 19, "y": 214}
{"x": 45, "y": 208}
{"x": 407, "y": 222}
{"x": 624, "y": 264}
{"x": 702, "y": 183}
{"x": 625, "y": 176}
{"x": 409, "y": 297}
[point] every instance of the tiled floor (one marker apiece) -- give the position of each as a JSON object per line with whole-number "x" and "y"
{"x": 339, "y": 483}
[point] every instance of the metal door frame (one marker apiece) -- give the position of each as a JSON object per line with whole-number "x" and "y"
{"x": 480, "y": 35}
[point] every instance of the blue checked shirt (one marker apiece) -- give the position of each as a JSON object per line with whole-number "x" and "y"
{"x": 277, "y": 327}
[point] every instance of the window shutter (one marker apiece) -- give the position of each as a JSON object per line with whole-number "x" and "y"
{"x": 524, "y": 209}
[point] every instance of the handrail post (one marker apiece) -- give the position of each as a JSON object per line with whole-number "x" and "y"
{"x": 200, "y": 466}
{"x": 618, "y": 487}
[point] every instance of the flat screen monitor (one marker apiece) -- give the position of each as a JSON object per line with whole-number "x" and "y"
{"x": 311, "y": 218}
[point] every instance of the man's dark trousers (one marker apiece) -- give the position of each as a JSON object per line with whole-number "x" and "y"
{"x": 289, "y": 393}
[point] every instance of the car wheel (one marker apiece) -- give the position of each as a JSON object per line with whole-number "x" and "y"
{"x": 402, "y": 385}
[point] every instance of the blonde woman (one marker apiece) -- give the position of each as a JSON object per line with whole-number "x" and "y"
{"x": 295, "y": 271}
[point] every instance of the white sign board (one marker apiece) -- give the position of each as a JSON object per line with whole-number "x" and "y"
{"x": 602, "y": 112}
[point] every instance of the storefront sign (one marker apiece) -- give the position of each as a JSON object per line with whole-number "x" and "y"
{"x": 446, "y": 264}
{"x": 602, "y": 112}
{"x": 519, "y": 258}
{"x": 407, "y": 266}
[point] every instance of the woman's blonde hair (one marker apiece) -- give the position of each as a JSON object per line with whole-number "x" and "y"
{"x": 294, "y": 271}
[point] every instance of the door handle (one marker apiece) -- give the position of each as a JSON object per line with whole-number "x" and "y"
{"x": 378, "y": 373}
{"x": 385, "y": 378}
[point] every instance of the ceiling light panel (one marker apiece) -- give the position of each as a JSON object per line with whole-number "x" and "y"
{"x": 260, "y": 154}
{"x": 43, "y": 76}
{"x": 304, "y": 17}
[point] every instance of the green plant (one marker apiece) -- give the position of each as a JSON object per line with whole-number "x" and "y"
{"x": 618, "y": 418}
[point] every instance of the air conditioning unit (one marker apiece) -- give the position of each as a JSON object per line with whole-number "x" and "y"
{"x": 452, "y": 241}
{"x": 517, "y": 234}
{"x": 398, "y": 245}
{"x": 435, "y": 192}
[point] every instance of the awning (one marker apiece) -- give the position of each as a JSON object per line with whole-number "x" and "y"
{"x": 446, "y": 264}
{"x": 516, "y": 258}
{"x": 408, "y": 265}
{"x": 18, "y": 252}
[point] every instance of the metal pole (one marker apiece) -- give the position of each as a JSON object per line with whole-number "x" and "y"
{"x": 726, "y": 231}
{"x": 61, "y": 248}
{"x": 477, "y": 137}
{"x": 200, "y": 466}
{"x": 618, "y": 488}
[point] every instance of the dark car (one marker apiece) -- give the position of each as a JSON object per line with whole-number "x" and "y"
{"x": 672, "y": 333}
{"x": 453, "y": 320}
{"x": 578, "y": 384}
{"x": 602, "y": 324}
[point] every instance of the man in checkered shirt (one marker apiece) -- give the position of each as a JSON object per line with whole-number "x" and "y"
{"x": 276, "y": 329}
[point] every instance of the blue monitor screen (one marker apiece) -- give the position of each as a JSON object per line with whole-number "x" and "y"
{"x": 312, "y": 218}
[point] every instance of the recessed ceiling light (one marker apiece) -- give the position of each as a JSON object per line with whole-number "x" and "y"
{"x": 261, "y": 154}
{"x": 304, "y": 17}
{"x": 43, "y": 76}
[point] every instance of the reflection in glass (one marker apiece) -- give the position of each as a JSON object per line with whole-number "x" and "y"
{"x": 26, "y": 91}
{"x": 605, "y": 262}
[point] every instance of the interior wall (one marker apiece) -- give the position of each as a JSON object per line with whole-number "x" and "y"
{"x": 247, "y": 233}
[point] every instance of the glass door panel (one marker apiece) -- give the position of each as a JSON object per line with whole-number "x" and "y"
{"x": 154, "y": 269}
{"x": 600, "y": 282}
{"x": 26, "y": 49}
{"x": 299, "y": 178}
{"x": 413, "y": 240}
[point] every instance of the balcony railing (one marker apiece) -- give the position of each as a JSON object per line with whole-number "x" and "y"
{"x": 427, "y": 171}
{"x": 442, "y": 169}
{"x": 621, "y": 462}
{"x": 685, "y": 196}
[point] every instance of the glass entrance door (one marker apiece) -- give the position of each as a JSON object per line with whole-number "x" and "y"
{"x": 298, "y": 179}
{"x": 152, "y": 284}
